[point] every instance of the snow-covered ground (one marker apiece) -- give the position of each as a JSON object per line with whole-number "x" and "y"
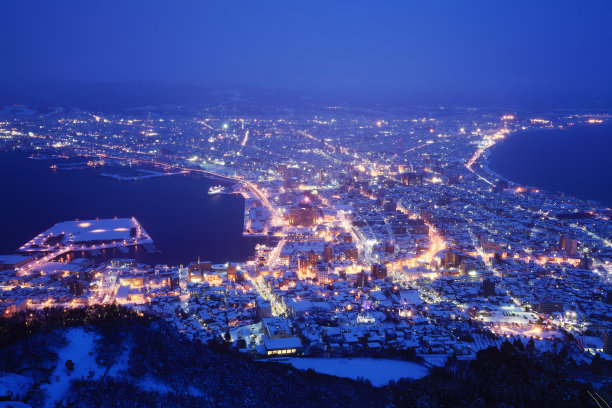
{"x": 378, "y": 371}
{"x": 15, "y": 385}
{"x": 13, "y": 404}
{"x": 482, "y": 342}
{"x": 81, "y": 351}
{"x": 511, "y": 316}
{"x": 245, "y": 332}
{"x": 151, "y": 384}
{"x": 80, "y": 344}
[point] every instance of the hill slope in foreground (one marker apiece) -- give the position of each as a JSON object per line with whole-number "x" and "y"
{"x": 113, "y": 357}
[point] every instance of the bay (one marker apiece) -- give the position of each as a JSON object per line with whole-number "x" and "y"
{"x": 576, "y": 161}
{"x": 177, "y": 212}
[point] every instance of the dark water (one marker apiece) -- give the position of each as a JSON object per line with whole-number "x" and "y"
{"x": 176, "y": 211}
{"x": 576, "y": 161}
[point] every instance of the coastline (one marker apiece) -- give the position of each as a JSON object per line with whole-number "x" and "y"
{"x": 488, "y": 157}
{"x": 487, "y": 161}
{"x": 183, "y": 229}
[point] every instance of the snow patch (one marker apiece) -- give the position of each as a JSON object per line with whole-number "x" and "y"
{"x": 378, "y": 371}
{"x": 14, "y": 384}
{"x": 80, "y": 343}
{"x": 151, "y": 384}
{"x": 13, "y": 404}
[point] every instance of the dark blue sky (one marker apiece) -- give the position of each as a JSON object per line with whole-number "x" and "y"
{"x": 429, "y": 47}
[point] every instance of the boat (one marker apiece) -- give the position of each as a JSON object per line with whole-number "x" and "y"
{"x": 214, "y": 190}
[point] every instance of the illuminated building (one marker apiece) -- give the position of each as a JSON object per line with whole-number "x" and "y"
{"x": 322, "y": 272}
{"x": 282, "y": 346}
{"x": 306, "y": 262}
{"x": 304, "y": 265}
{"x": 452, "y": 259}
{"x": 263, "y": 308}
{"x": 14, "y": 261}
{"x": 231, "y": 271}
{"x": 291, "y": 177}
{"x": 411, "y": 179}
{"x": 328, "y": 253}
{"x": 549, "y": 307}
{"x": 379, "y": 271}
{"x": 303, "y": 215}
{"x": 405, "y": 167}
{"x": 569, "y": 245}
{"x": 351, "y": 254}
{"x": 196, "y": 270}
{"x": 276, "y": 328}
{"x": 76, "y": 287}
{"x": 205, "y": 266}
{"x": 362, "y": 279}
{"x": 123, "y": 263}
{"x": 90, "y": 232}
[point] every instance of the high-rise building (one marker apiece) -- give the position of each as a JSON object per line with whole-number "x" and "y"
{"x": 379, "y": 271}
{"x": 303, "y": 265}
{"x": 488, "y": 287}
{"x": 292, "y": 177}
{"x": 411, "y": 179}
{"x": 452, "y": 259}
{"x": 362, "y": 279}
{"x": 76, "y": 287}
{"x": 586, "y": 262}
{"x": 322, "y": 272}
{"x": 231, "y": 271}
{"x": 313, "y": 257}
{"x": 569, "y": 245}
{"x": 307, "y": 262}
{"x": 304, "y": 215}
{"x": 347, "y": 238}
{"x": 351, "y": 254}
{"x": 328, "y": 253}
{"x": 263, "y": 308}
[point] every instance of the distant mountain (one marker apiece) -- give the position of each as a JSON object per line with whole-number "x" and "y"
{"x": 153, "y": 95}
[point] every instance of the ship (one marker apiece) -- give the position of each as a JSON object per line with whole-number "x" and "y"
{"x": 214, "y": 190}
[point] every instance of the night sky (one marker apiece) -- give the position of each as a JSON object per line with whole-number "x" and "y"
{"x": 529, "y": 48}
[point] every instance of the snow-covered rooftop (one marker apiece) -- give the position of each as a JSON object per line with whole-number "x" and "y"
{"x": 283, "y": 343}
{"x": 95, "y": 230}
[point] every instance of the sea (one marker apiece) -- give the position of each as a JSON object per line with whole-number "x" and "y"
{"x": 576, "y": 161}
{"x": 182, "y": 219}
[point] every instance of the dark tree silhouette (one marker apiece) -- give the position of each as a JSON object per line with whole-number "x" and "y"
{"x": 69, "y": 365}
